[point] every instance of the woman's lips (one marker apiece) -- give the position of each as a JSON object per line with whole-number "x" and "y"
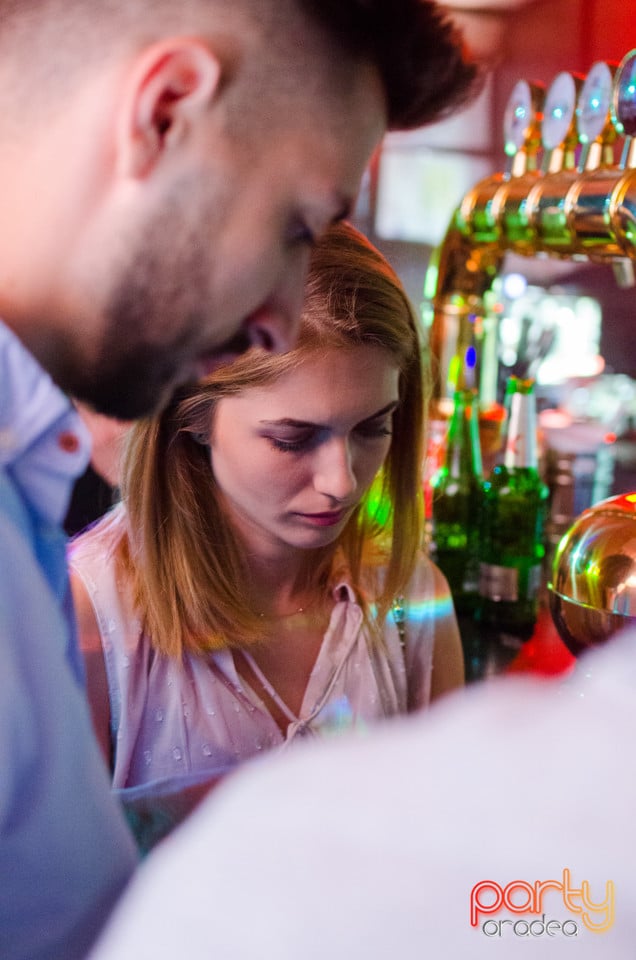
{"x": 323, "y": 519}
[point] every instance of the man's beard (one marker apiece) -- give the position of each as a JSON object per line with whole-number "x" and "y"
{"x": 153, "y": 322}
{"x": 131, "y": 385}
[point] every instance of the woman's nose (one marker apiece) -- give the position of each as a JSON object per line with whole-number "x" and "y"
{"x": 335, "y": 475}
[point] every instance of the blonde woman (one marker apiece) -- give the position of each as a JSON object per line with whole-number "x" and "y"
{"x": 262, "y": 579}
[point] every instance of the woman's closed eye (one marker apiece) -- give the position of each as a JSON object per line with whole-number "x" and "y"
{"x": 294, "y": 441}
{"x": 374, "y": 428}
{"x": 301, "y": 440}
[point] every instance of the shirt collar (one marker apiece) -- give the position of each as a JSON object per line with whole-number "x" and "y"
{"x": 340, "y": 581}
{"x": 44, "y": 444}
{"x": 343, "y": 591}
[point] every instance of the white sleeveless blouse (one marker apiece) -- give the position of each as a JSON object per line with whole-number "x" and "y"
{"x": 183, "y": 721}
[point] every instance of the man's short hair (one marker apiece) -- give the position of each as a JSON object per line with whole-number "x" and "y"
{"x": 415, "y": 46}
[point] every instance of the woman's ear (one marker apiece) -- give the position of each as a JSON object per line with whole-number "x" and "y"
{"x": 167, "y": 95}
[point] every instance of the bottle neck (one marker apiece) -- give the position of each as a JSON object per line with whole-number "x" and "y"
{"x": 521, "y": 441}
{"x": 463, "y": 452}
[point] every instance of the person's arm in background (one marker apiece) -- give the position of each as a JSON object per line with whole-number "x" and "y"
{"x": 434, "y": 656}
{"x": 65, "y": 850}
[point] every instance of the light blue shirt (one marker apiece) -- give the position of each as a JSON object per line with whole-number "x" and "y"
{"x": 65, "y": 851}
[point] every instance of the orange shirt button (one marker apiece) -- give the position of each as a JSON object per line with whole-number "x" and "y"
{"x": 68, "y": 441}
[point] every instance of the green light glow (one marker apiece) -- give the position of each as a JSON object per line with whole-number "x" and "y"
{"x": 430, "y": 281}
{"x": 377, "y": 503}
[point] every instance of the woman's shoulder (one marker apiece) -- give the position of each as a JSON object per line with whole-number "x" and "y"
{"x": 426, "y": 584}
{"x": 427, "y": 593}
{"x": 426, "y": 578}
{"x": 99, "y": 580}
{"x": 98, "y": 542}
{"x": 94, "y": 560}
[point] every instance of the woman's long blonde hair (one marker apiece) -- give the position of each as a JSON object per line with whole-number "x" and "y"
{"x": 174, "y": 540}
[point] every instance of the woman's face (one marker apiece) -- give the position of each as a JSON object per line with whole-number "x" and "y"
{"x": 293, "y": 458}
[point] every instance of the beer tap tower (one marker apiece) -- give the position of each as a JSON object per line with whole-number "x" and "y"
{"x": 563, "y": 194}
{"x": 568, "y": 192}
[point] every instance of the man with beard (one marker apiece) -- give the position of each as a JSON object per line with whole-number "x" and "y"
{"x": 165, "y": 167}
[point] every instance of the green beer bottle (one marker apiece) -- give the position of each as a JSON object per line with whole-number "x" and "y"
{"x": 457, "y": 493}
{"x": 512, "y": 524}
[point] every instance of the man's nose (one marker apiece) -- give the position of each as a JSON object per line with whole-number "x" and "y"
{"x": 275, "y": 326}
{"x": 335, "y": 476}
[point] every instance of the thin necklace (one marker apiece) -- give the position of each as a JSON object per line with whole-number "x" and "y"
{"x": 321, "y": 588}
{"x": 283, "y": 616}
{"x": 292, "y": 613}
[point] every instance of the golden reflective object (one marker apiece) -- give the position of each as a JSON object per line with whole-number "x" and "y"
{"x": 577, "y": 203}
{"x": 564, "y": 208}
{"x": 593, "y": 588}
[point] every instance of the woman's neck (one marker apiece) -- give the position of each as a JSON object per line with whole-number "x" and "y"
{"x": 284, "y": 585}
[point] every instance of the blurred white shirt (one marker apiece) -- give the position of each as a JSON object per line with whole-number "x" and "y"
{"x": 379, "y": 847}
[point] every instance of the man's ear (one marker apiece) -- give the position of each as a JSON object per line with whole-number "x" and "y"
{"x": 172, "y": 85}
